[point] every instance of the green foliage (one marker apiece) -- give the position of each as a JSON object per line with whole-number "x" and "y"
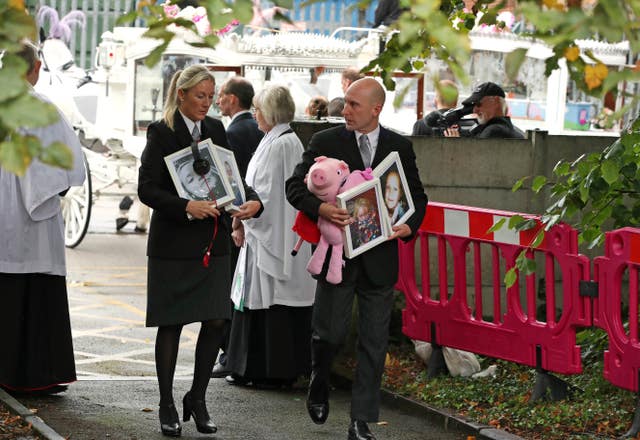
{"x": 597, "y": 410}
{"x": 18, "y": 109}
{"x": 597, "y": 191}
{"x": 426, "y": 30}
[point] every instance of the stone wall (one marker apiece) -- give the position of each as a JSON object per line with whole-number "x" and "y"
{"x": 481, "y": 172}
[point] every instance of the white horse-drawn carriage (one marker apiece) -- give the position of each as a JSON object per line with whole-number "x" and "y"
{"x": 112, "y": 106}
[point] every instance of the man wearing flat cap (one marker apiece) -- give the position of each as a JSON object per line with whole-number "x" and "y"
{"x": 490, "y": 108}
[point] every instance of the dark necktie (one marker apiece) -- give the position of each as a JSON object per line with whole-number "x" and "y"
{"x": 365, "y": 150}
{"x": 195, "y": 134}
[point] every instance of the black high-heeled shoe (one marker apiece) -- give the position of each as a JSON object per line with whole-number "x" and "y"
{"x": 169, "y": 422}
{"x": 197, "y": 409}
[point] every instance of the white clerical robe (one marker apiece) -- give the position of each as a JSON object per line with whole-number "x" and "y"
{"x": 271, "y": 274}
{"x": 31, "y": 224}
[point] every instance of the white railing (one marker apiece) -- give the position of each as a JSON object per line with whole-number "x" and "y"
{"x": 320, "y": 17}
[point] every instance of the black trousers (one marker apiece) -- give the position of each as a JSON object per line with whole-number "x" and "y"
{"x": 331, "y": 323}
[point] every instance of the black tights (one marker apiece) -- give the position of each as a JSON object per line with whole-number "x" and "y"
{"x": 207, "y": 347}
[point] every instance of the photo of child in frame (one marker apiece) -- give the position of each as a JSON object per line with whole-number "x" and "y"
{"x": 395, "y": 190}
{"x": 395, "y": 199}
{"x": 366, "y": 225}
{"x": 191, "y": 185}
{"x": 238, "y": 200}
{"x": 232, "y": 174}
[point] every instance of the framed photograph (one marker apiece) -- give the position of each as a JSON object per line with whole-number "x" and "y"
{"x": 395, "y": 190}
{"x": 365, "y": 206}
{"x": 232, "y": 173}
{"x": 212, "y": 186}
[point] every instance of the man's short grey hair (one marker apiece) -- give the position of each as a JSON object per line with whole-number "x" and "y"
{"x": 241, "y": 88}
{"x": 276, "y": 105}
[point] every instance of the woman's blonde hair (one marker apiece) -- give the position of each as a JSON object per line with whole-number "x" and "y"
{"x": 183, "y": 80}
{"x": 276, "y": 105}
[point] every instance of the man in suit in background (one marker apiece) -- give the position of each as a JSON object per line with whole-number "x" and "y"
{"x": 234, "y": 100}
{"x": 361, "y": 143}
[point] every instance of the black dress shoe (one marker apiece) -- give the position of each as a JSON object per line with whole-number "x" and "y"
{"x": 197, "y": 409}
{"x": 234, "y": 379}
{"x": 220, "y": 370}
{"x": 121, "y": 222}
{"x": 359, "y": 430}
{"x": 169, "y": 423}
{"x": 318, "y": 396}
{"x": 318, "y": 399}
{"x": 318, "y": 411}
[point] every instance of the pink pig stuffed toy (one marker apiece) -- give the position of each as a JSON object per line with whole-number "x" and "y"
{"x": 326, "y": 179}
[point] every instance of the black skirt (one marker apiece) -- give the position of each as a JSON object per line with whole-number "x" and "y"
{"x": 184, "y": 291}
{"x": 37, "y": 349}
{"x": 270, "y": 343}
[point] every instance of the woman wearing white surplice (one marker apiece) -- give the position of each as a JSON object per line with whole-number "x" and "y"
{"x": 272, "y": 291}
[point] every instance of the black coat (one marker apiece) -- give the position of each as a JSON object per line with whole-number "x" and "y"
{"x": 380, "y": 262}
{"x": 171, "y": 233}
{"x": 243, "y": 136}
{"x": 500, "y": 127}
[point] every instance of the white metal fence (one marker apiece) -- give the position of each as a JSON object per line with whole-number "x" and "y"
{"x": 321, "y": 17}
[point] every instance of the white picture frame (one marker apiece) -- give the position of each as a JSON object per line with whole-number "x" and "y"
{"x": 192, "y": 186}
{"x": 396, "y": 194}
{"x": 369, "y": 228}
{"x": 232, "y": 173}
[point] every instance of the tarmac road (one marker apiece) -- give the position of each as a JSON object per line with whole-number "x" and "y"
{"x": 116, "y": 394}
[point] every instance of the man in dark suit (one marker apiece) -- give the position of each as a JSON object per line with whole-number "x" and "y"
{"x": 234, "y": 100}
{"x": 370, "y": 275}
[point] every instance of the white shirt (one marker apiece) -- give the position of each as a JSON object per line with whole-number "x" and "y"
{"x": 191, "y": 123}
{"x": 31, "y": 224}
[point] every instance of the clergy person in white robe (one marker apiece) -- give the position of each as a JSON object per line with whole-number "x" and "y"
{"x": 272, "y": 291}
{"x": 34, "y": 317}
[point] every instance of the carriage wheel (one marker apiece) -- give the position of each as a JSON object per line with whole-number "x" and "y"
{"x": 76, "y": 210}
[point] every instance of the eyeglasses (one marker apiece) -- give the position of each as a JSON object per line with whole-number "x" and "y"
{"x": 254, "y": 110}
{"x": 485, "y": 100}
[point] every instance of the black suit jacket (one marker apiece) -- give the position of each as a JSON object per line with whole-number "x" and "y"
{"x": 243, "y": 136}
{"x": 380, "y": 262}
{"x": 172, "y": 234}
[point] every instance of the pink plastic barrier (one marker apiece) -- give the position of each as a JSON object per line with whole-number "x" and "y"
{"x": 460, "y": 241}
{"x": 620, "y": 263}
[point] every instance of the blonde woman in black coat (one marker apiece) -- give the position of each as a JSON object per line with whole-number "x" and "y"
{"x": 181, "y": 289}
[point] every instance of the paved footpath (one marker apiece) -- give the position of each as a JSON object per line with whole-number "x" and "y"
{"x": 116, "y": 394}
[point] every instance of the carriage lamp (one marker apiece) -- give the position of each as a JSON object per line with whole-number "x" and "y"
{"x": 110, "y": 53}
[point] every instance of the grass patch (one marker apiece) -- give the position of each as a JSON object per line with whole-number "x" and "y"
{"x": 596, "y": 410}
